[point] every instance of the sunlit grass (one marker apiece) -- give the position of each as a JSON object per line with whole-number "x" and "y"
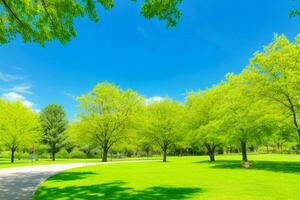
{"x": 5, "y": 162}
{"x": 274, "y": 177}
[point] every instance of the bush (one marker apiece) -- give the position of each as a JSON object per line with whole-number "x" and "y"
{"x": 5, "y": 154}
{"x": 22, "y": 155}
{"x": 77, "y": 154}
{"x": 18, "y": 155}
{"x": 44, "y": 155}
{"x": 62, "y": 154}
{"x": 265, "y": 149}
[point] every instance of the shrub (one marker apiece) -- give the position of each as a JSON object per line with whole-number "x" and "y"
{"x": 5, "y": 154}
{"x": 22, "y": 155}
{"x": 44, "y": 155}
{"x": 77, "y": 154}
{"x": 62, "y": 154}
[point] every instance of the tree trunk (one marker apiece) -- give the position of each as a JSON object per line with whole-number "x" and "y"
{"x": 165, "y": 155}
{"x": 292, "y": 108}
{"x": 298, "y": 145}
{"x": 212, "y": 157}
{"x": 104, "y": 155}
{"x": 211, "y": 151}
{"x": 244, "y": 150}
{"x": 12, "y": 158}
{"x": 53, "y": 153}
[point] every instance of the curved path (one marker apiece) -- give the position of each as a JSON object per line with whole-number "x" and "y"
{"x": 21, "y": 182}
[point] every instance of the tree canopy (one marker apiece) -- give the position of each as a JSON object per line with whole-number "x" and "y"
{"x": 278, "y": 79}
{"x": 47, "y": 20}
{"x": 106, "y": 116}
{"x": 249, "y": 111}
{"x": 19, "y": 126}
{"x": 162, "y": 124}
{"x": 204, "y": 117}
{"x": 54, "y": 125}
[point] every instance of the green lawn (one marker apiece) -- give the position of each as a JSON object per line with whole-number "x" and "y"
{"x": 5, "y": 163}
{"x": 274, "y": 177}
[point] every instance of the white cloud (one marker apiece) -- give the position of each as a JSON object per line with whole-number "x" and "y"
{"x": 16, "y": 92}
{"x": 22, "y": 89}
{"x": 70, "y": 95}
{"x": 153, "y": 100}
{"x": 8, "y": 77}
{"x": 14, "y": 96}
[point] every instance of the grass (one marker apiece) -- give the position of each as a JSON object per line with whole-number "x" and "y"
{"x": 5, "y": 163}
{"x": 274, "y": 177}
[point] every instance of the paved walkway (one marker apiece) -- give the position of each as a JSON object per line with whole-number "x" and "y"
{"x": 21, "y": 182}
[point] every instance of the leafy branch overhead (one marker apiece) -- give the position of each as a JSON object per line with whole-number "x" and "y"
{"x": 46, "y": 20}
{"x": 296, "y": 11}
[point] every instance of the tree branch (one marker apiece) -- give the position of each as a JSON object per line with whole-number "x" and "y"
{"x": 11, "y": 11}
{"x": 47, "y": 12}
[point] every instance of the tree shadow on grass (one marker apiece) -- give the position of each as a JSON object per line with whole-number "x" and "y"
{"x": 273, "y": 166}
{"x": 70, "y": 176}
{"x": 115, "y": 191}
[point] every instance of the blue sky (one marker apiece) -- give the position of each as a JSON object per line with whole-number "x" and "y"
{"x": 213, "y": 37}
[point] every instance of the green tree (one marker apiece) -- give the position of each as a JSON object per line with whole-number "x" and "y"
{"x": 205, "y": 117}
{"x": 247, "y": 118}
{"x": 107, "y": 116}
{"x": 278, "y": 75}
{"x": 19, "y": 126}
{"x": 54, "y": 125}
{"x": 146, "y": 147}
{"x": 46, "y": 20}
{"x": 162, "y": 124}
{"x": 281, "y": 136}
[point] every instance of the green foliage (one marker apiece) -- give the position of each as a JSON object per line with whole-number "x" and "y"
{"x": 63, "y": 153}
{"x": 77, "y": 154}
{"x": 5, "y": 154}
{"x": 295, "y": 12}
{"x": 205, "y": 117}
{"x": 162, "y": 123}
{"x": 248, "y": 113}
{"x": 107, "y": 115}
{"x": 19, "y": 126}
{"x": 278, "y": 79}
{"x": 42, "y": 150}
{"x": 54, "y": 124}
{"x": 21, "y": 155}
{"x": 258, "y": 107}
{"x": 45, "y": 20}
{"x": 163, "y": 10}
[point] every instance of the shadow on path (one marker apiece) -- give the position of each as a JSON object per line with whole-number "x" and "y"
{"x": 116, "y": 191}
{"x": 273, "y": 166}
